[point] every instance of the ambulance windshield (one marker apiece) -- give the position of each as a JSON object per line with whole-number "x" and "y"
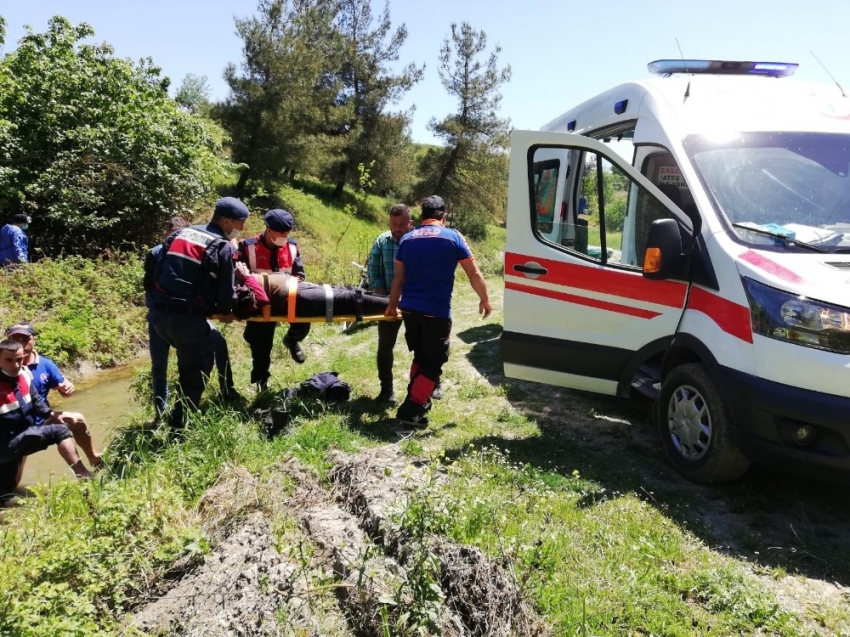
{"x": 794, "y": 185}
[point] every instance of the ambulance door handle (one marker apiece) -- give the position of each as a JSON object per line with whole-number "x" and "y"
{"x": 531, "y": 270}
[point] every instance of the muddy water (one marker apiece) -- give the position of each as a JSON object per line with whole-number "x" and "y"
{"x": 105, "y": 400}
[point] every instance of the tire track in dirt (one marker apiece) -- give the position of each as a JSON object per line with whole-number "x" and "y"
{"x": 355, "y": 549}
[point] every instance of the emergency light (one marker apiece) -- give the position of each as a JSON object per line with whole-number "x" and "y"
{"x": 722, "y": 67}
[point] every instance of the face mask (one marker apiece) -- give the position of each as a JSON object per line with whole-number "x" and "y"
{"x": 279, "y": 241}
{"x": 25, "y": 226}
{"x": 233, "y": 233}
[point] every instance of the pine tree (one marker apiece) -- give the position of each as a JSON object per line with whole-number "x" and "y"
{"x": 470, "y": 171}
{"x": 371, "y": 134}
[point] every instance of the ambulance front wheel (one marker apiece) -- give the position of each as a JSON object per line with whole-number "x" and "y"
{"x": 695, "y": 429}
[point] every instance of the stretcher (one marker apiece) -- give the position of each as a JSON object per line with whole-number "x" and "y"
{"x": 294, "y": 301}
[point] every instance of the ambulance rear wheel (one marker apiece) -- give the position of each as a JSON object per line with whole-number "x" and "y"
{"x": 695, "y": 429}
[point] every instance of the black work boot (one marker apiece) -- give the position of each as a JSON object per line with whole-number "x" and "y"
{"x": 387, "y": 395}
{"x": 412, "y": 414}
{"x": 295, "y": 350}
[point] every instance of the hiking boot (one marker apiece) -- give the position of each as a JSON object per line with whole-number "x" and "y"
{"x": 437, "y": 394}
{"x": 412, "y": 414}
{"x": 387, "y": 396}
{"x": 295, "y": 351}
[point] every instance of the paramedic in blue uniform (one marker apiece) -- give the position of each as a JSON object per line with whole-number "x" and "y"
{"x": 14, "y": 244}
{"x": 424, "y": 279}
{"x": 381, "y": 268}
{"x": 193, "y": 279}
{"x": 273, "y": 251}
{"x": 20, "y": 436}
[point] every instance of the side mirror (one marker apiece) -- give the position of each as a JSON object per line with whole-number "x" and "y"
{"x": 664, "y": 257}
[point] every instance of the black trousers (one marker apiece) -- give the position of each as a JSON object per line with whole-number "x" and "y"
{"x": 428, "y": 338}
{"x": 260, "y": 338}
{"x": 387, "y": 337}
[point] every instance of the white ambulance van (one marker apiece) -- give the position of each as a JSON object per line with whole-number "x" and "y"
{"x": 688, "y": 237}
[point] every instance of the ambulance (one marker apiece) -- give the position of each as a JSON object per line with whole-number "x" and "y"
{"x": 687, "y": 237}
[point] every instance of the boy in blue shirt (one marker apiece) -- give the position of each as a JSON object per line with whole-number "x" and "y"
{"x": 46, "y": 376}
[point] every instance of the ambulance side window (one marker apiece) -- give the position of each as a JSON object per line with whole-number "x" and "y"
{"x": 550, "y": 171}
{"x": 546, "y": 175}
{"x": 602, "y": 203}
{"x": 661, "y": 169}
{"x": 583, "y": 203}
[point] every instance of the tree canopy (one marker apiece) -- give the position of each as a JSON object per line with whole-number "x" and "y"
{"x": 93, "y": 147}
{"x": 312, "y": 92}
{"x": 470, "y": 171}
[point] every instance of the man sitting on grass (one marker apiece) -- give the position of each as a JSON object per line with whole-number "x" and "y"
{"x": 46, "y": 376}
{"x": 20, "y": 405}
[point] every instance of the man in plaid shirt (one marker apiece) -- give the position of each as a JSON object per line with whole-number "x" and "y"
{"x": 381, "y": 267}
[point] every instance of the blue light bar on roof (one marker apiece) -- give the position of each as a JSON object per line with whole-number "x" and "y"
{"x": 722, "y": 67}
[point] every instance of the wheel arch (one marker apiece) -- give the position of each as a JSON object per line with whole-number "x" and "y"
{"x": 686, "y": 348}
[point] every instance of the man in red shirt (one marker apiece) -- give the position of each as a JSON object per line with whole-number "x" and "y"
{"x": 273, "y": 251}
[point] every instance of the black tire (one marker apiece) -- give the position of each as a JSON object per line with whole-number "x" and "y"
{"x": 696, "y": 431}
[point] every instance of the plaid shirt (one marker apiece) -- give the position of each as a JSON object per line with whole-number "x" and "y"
{"x": 381, "y": 263}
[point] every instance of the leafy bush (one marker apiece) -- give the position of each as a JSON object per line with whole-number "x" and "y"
{"x": 98, "y": 151}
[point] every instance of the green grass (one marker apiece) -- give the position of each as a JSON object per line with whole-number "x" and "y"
{"x": 597, "y": 546}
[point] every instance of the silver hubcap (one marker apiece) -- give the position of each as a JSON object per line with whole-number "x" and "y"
{"x": 690, "y": 422}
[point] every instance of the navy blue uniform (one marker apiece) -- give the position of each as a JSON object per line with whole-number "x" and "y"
{"x": 20, "y": 406}
{"x": 190, "y": 280}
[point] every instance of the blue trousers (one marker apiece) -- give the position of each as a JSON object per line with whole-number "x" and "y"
{"x": 195, "y": 342}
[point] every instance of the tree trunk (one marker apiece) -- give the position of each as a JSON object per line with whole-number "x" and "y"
{"x": 448, "y": 170}
{"x": 340, "y": 181}
{"x": 243, "y": 179}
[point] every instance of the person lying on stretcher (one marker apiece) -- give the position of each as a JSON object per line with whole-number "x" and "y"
{"x": 279, "y": 290}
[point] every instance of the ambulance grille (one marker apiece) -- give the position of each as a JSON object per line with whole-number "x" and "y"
{"x": 838, "y": 265}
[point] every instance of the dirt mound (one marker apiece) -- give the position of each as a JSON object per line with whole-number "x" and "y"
{"x": 349, "y": 567}
{"x": 237, "y": 591}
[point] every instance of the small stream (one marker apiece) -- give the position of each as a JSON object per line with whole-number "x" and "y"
{"x": 105, "y": 400}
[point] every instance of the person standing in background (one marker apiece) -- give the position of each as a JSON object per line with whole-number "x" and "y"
{"x": 381, "y": 269}
{"x": 14, "y": 244}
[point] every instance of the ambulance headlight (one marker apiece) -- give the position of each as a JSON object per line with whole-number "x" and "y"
{"x": 797, "y": 319}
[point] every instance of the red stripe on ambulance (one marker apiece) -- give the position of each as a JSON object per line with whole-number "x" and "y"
{"x": 732, "y": 318}
{"x": 629, "y": 285}
{"x": 770, "y": 266}
{"x": 581, "y": 300}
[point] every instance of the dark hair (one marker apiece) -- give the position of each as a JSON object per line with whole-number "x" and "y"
{"x": 178, "y": 223}
{"x": 399, "y": 209}
{"x": 9, "y": 345}
{"x": 433, "y": 207}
